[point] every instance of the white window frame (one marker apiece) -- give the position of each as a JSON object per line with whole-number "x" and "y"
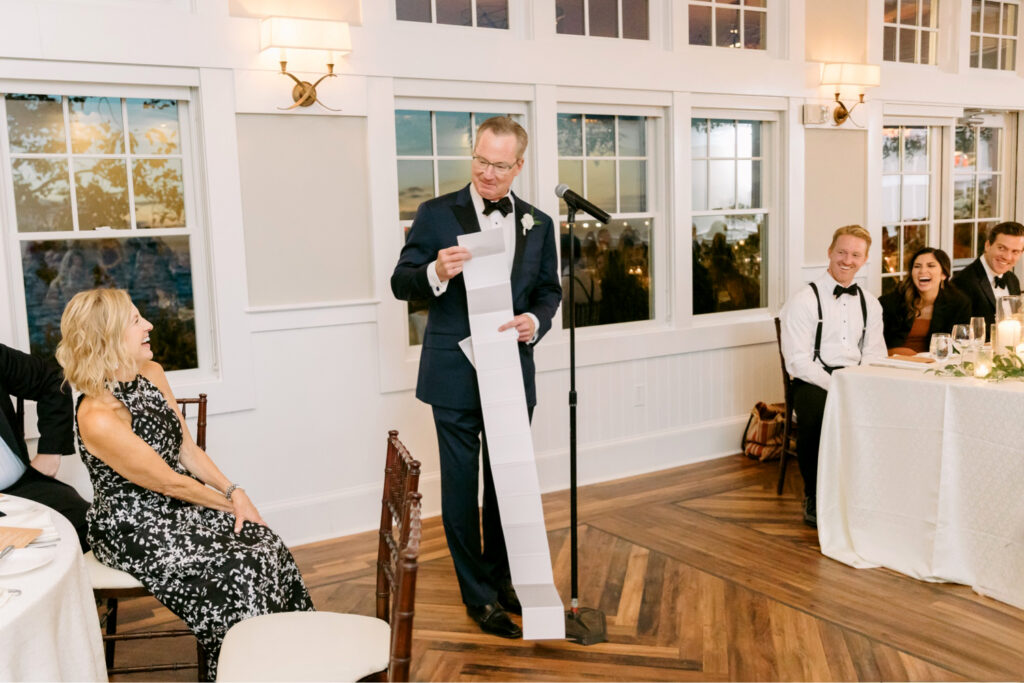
{"x": 433, "y": 16}
{"x": 981, "y": 35}
{"x": 767, "y": 11}
{"x": 919, "y": 34}
{"x": 618, "y": 4}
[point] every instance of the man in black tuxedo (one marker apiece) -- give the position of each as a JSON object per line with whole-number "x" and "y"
{"x": 429, "y": 268}
{"x": 27, "y": 377}
{"x": 991, "y": 275}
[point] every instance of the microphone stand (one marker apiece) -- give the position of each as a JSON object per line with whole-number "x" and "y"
{"x": 583, "y": 625}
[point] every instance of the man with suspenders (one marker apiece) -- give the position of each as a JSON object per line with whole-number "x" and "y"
{"x": 823, "y": 329}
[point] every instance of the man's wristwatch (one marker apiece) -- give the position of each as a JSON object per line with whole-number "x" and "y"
{"x": 231, "y": 489}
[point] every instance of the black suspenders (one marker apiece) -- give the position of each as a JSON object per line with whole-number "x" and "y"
{"x": 817, "y": 333}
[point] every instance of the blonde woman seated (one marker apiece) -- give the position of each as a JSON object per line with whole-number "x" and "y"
{"x": 205, "y": 553}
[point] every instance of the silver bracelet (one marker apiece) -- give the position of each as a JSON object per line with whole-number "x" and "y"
{"x": 231, "y": 489}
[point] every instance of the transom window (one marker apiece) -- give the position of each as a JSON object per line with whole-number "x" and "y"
{"x": 911, "y": 31}
{"x": 98, "y": 198}
{"x": 603, "y": 18}
{"x": 606, "y": 159}
{"x": 479, "y": 13}
{"x": 729, "y": 23}
{"x": 730, "y": 214}
{"x": 977, "y": 184}
{"x": 909, "y": 171}
{"x": 994, "y": 34}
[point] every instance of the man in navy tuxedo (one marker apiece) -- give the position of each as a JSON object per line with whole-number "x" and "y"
{"x": 429, "y": 268}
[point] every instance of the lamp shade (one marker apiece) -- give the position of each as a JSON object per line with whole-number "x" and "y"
{"x": 865, "y": 75}
{"x": 305, "y": 34}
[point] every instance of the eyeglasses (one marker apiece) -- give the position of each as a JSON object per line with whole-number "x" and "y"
{"x": 500, "y": 168}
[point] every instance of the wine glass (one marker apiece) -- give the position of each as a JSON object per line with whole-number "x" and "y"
{"x": 963, "y": 337}
{"x": 978, "y": 328}
{"x": 941, "y": 347}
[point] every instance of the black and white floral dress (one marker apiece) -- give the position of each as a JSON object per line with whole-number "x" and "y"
{"x": 187, "y": 555}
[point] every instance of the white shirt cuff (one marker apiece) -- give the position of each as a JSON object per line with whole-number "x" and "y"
{"x": 536, "y": 328}
{"x": 436, "y": 286}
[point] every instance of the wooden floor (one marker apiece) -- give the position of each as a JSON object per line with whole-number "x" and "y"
{"x": 703, "y": 573}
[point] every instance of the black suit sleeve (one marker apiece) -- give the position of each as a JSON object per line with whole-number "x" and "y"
{"x": 34, "y": 379}
{"x": 894, "y": 319}
{"x": 547, "y": 291}
{"x": 409, "y": 280}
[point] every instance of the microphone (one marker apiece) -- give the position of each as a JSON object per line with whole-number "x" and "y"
{"x": 578, "y": 203}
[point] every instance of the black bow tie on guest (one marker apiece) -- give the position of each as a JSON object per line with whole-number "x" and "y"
{"x": 504, "y": 205}
{"x": 1002, "y": 281}
{"x": 840, "y": 290}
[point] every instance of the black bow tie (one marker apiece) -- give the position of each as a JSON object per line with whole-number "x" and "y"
{"x": 504, "y": 205}
{"x": 1001, "y": 281}
{"x": 840, "y": 290}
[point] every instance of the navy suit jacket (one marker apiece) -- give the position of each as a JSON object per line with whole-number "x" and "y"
{"x": 446, "y": 377}
{"x": 973, "y": 281}
{"x": 34, "y": 379}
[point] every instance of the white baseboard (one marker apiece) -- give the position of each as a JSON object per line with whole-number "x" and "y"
{"x": 357, "y": 509}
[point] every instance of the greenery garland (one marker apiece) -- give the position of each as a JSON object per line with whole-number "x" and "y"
{"x": 1004, "y": 366}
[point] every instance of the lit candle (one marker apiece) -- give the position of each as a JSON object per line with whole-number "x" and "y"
{"x": 1007, "y": 334}
{"x": 982, "y": 368}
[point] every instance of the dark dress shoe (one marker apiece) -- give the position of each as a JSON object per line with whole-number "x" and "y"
{"x": 492, "y": 619}
{"x": 811, "y": 512}
{"x": 508, "y": 599}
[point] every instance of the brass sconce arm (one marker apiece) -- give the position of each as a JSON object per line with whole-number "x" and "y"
{"x": 840, "y": 114}
{"x": 304, "y": 92}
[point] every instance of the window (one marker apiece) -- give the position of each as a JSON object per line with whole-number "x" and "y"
{"x": 434, "y": 155}
{"x": 909, "y": 173}
{"x": 479, "y": 13}
{"x": 731, "y": 213}
{"x": 729, "y": 23}
{"x": 606, "y": 159}
{"x": 911, "y": 31}
{"x": 994, "y": 34}
{"x": 603, "y": 18}
{"x": 977, "y": 188}
{"x": 98, "y": 197}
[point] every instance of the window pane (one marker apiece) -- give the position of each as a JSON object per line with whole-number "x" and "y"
{"x": 915, "y": 149}
{"x": 413, "y": 10}
{"x": 153, "y": 126}
{"x": 891, "y": 198}
{"x": 908, "y": 12}
{"x": 632, "y": 186}
{"x": 604, "y": 18}
{"x": 964, "y": 157}
{"x": 755, "y": 3}
{"x": 570, "y": 135}
{"x": 915, "y": 198}
{"x": 976, "y": 16}
{"x": 569, "y": 173}
{"x": 748, "y": 184}
{"x": 453, "y": 133}
{"x": 601, "y": 184}
{"x": 975, "y": 52}
{"x": 981, "y": 236}
{"x": 415, "y": 186}
{"x": 631, "y": 136}
{"x": 157, "y": 272}
{"x": 42, "y": 194}
{"x": 600, "y": 136}
{"x": 988, "y": 196}
{"x": 990, "y": 53}
{"x": 412, "y": 132}
{"x": 35, "y": 124}
{"x": 890, "y": 248}
{"x": 699, "y": 185}
{"x": 728, "y": 254}
{"x": 634, "y": 19}
{"x": 907, "y": 44}
{"x": 452, "y": 175}
{"x": 699, "y": 137}
{"x": 96, "y": 126}
{"x": 929, "y": 13}
{"x": 990, "y": 18}
{"x": 159, "y": 193}
{"x": 988, "y": 149}
{"x": 723, "y": 138}
{"x": 101, "y": 193}
{"x": 963, "y": 196}
{"x": 755, "y": 30}
{"x": 569, "y": 17}
{"x": 928, "y": 45}
{"x": 914, "y": 237}
{"x": 457, "y": 12}
{"x": 890, "y": 150}
{"x": 748, "y": 138}
{"x": 492, "y": 13}
{"x": 727, "y": 27}
{"x": 1009, "y": 57}
{"x": 963, "y": 233}
{"x": 700, "y": 25}
{"x": 889, "y": 12}
{"x": 722, "y": 184}
{"x": 1009, "y": 20}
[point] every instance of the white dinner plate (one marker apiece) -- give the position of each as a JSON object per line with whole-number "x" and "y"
{"x": 26, "y": 559}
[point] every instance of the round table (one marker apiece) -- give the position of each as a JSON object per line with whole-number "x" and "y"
{"x": 51, "y": 632}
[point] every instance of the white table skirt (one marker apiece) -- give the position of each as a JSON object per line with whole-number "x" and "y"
{"x": 51, "y": 632}
{"x": 925, "y": 475}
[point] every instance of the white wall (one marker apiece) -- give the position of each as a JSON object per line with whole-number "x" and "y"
{"x": 306, "y": 388}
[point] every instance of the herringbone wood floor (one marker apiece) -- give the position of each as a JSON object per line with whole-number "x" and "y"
{"x": 704, "y": 574}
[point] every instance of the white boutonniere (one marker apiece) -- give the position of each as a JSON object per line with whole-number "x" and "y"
{"x": 527, "y": 222}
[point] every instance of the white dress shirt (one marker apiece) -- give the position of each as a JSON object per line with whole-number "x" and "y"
{"x": 11, "y": 466}
{"x": 842, "y": 326}
{"x": 998, "y": 291}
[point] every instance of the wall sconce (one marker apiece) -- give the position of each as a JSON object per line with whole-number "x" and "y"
{"x": 845, "y": 75}
{"x": 287, "y": 33}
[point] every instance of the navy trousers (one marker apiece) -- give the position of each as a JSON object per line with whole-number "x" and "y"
{"x": 481, "y": 565}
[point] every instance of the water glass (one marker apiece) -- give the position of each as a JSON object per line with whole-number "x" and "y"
{"x": 978, "y": 330}
{"x": 941, "y": 346}
{"x": 963, "y": 337}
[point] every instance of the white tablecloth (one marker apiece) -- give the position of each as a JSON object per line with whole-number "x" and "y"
{"x": 925, "y": 475}
{"x": 51, "y": 632}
